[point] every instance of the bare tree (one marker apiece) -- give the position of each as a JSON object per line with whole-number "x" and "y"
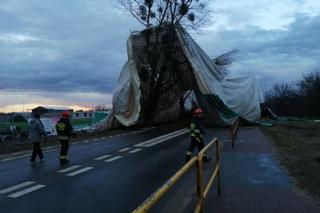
{"x": 161, "y": 18}
{"x": 225, "y": 60}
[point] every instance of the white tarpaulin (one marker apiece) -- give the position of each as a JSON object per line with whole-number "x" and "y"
{"x": 241, "y": 94}
{"x": 126, "y": 98}
{"x": 230, "y": 96}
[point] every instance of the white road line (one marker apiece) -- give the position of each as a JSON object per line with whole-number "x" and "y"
{"x": 69, "y": 169}
{"x": 85, "y": 141}
{"x": 124, "y": 149}
{"x": 13, "y": 158}
{"x": 113, "y": 159}
{"x": 79, "y": 171}
{"x": 51, "y": 150}
{"x": 26, "y": 191}
{"x": 102, "y": 157}
{"x": 18, "y": 153}
{"x": 162, "y": 138}
{"x": 96, "y": 139}
{"x": 103, "y": 137}
{"x": 134, "y": 151}
{"x": 18, "y": 186}
{"x": 50, "y": 147}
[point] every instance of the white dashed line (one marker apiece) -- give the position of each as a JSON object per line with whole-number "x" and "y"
{"x": 26, "y": 191}
{"x": 162, "y": 138}
{"x": 102, "y": 157}
{"x": 69, "y": 169}
{"x": 18, "y": 153}
{"x": 134, "y": 151}
{"x": 96, "y": 139}
{"x": 51, "y": 150}
{"x": 79, "y": 171}
{"x": 50, "y": 147}
{"x": 113, "y": 159}
{"x": 124, "y": 149}
{"x": 13, "y": 158}
{"x": 18, "y": 186}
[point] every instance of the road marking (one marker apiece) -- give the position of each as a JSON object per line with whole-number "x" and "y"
{"x": 26, "y": 191}
{"x": 50, "y": 147}
{"x": 51, "y": 150}
{"x": 96, "y": 139}
{"x": 79, "y": 171}
{"x": 134, "y": 151}
{"x": 103, "y": 137}
{"x": 18, "y": 153}
{"x": 69, "y": 169}
{"x": 18, "y": 186}
{"x": 124, "y": 149}
{"x": 13, "y": 158}
{"x": 85, "y": 141}
{"x": 102, "y": 157}
{"x": 162, "y": 138}
{"x": 113, "y": 159}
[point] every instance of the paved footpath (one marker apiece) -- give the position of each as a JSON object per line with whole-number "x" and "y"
{"x": 253, "y": 181}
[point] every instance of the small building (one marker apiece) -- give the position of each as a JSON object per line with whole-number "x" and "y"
{"x": 50, "y": 111}
{"x": 82, "y": 114}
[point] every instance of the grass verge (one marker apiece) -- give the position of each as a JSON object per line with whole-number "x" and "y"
{"x": 298, "y": 144}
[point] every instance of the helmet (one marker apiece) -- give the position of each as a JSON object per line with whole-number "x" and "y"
{"x": 65, "y": 114}
{"x": 197, "y": 111}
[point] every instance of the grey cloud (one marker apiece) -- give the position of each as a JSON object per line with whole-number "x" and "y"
{"x": 76, "y": 45}
{"x": 273, "y": 55}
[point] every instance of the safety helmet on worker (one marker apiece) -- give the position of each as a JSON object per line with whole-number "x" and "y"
{"x": 65, "y": 114}
{"x": 198, "y": 111}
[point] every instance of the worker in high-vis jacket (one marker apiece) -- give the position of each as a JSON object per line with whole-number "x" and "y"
{"x": 197, "y": 133}
{"x": 65, "y": 131}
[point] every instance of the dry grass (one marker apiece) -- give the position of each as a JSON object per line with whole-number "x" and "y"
{"x": 298, "y": 144}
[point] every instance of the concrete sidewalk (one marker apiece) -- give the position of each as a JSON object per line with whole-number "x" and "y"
{"x": 253, "y": 181}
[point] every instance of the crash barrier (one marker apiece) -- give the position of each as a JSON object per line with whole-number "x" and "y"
{"x": 202, "y": 191}
{"x": 234, "y": 130}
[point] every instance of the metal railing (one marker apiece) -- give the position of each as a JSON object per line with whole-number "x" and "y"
{"x": 202, "y": 191}
{"x": 234, "y": 129}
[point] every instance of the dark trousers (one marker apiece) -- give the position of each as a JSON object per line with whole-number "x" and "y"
{"x": 36, "y": 151}
{"x": 194, "y": 143}
{"x": 64, "y": 150}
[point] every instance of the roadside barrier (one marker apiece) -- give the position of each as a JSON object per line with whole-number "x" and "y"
{"x": 202, "y": 191}
{"x": 234, "y": 130}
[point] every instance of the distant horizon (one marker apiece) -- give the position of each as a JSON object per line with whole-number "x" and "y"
{"x": 73, "y": 107}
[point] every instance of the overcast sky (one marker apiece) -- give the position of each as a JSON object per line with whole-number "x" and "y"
{"x": 57, "y": 52}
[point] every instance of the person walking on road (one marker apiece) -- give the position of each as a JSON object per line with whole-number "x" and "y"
{"x": 65, "y": 131}
{"x": 197, "y": 132}
{"x": 36, "y": 134}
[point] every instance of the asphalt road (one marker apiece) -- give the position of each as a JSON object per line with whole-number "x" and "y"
{"x": 113, "y": 174}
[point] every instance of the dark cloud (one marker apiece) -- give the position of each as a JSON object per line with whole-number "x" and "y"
{"x": 80, "y": 46}
{"x": 73, "y": 45}
{"x": 275, "y": 56}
